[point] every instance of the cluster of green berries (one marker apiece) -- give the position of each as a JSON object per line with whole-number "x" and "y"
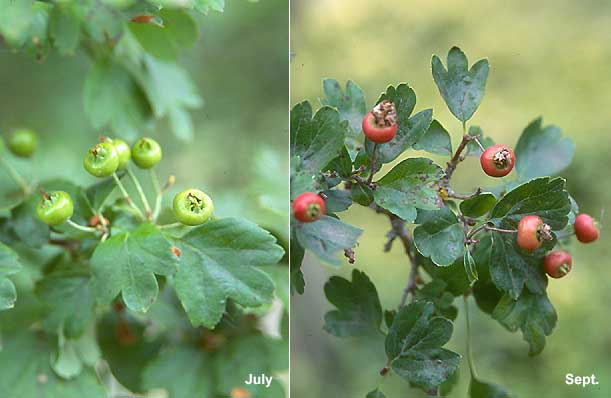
{"x": 191, "y": 207}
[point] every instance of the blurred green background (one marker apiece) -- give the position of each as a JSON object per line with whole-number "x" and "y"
{"x": 548, "y": 58}
{"x": 239, "y": 153}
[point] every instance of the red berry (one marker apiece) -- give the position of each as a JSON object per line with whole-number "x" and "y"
{"x": 585, "y": 228}
{"x": 142, "y": 18}
{"x": 532, "y": 231}
{"x": 558, "y": 263}
{"x": 308, "y": 207}
{"x": 498, "y": 160}
{"x": 380, "y": 125}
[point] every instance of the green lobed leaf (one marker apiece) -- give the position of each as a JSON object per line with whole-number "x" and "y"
{"x": 478, "y": 206}
{"x": 359, "y": 312}
{"x": 461, "y": 88}
{"x": 297, "y": 252}
{"x": 453, "y": 275}
{"x": 9, "y": 265}
{"x": 410, "y": 129}
{"x": 436, "y": 140}
{"x": 437, "y": 292}
{"x": 219, "y": 261}
{"x": 127, "y": 263}
{"x": 532, "y": 313}
{"x": 318, "y": 140}
{"x": 22, "y": 20}
{"x": 337, "y": 200}
{"x": 440, "y": 236}
{"x": 410, "y": 185}
{"x": 64, "y": 29}
{"x": 326, "y": 237}
{"x": 541, "y": 151}
{"x": 414, "y": 346}
{"x": 26, "y": 225}
{"x": 481, "y": 389}
{"x": 26, "y": 371}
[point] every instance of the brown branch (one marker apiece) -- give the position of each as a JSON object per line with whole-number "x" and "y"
{"x": 457, "y": 158}
{"x": 459, "y": 196}
{"x": 399, "y": 231}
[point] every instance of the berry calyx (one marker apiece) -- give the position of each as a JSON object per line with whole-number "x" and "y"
{"x": 498, "y": 160}
{"x": 143, "y": 18}
{"x": 22, "y": 143}
{"x": 308, "y": 207}
{"x": 585, "y": 228}
{"x": 123, "y": 151}
{"x": 101, "y": 160}
{"x": 55, "y": 208}
{"x": 380, "y": 125}
{"x": 192, "y": 207}
{"x": 532, "y": 232}
{"x": 146, "y": 153}
{"x": 558, "y": 263}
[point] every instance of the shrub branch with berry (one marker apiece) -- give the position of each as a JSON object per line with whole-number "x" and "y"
{"x": 497, "y": 244}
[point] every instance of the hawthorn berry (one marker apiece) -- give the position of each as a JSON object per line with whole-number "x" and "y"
{"x": 498, "y": 160}
{"x": 380, "y": 125}
{"x": 558, "y": 263}
{"x": 146, "y": 153}
{"x": 192, "y": 207}
{"x": 22, "y": 143}
{"x": 123, "y": 151}
{"x": 101, "y": 160}
{"x": 308, "y": 207}
{"x": 532, "y": 232}
{"x": 585, "y": 228}
{"x": 55, "y": 208}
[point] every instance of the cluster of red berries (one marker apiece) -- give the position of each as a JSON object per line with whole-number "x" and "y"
{"x": 532, "y": 232}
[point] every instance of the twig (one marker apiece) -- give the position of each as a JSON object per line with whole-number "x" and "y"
{"x": 486, "y": 227}
{"x": 399, "y": 231}
{"x": 457, "y": 158}
{"x": 459, "y": 196}
{"x": 373, "y": 163}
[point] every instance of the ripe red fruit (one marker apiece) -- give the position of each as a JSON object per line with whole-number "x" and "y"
{"x": 585, "y": 228}
{"x": 498, "y": 160}
{"x": 532, "y": 231}
{"x": 308, "y": 207}
{"x": 380, "y": 125}
{"x": 558, "y": 263}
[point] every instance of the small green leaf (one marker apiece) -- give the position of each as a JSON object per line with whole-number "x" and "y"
{"x": 8, "y": 294}
{"x": 64, "y": 29}
{"x": 376, "y": 394}
{"x": 532, "y": 313}
{"x": 453, "y": 275}
{"x": 219, "y": 261}
{"x": 411, "y": 184}
{"x": 461, "y": 88}
{"x": 297, "y": 252}
{"x": 478, "y": 206}
{"x": 481, "y": 389}
{"x": 127, "y": 263}
{"x": 361, "y": 194}
{"x": 440, "y": 236}
{"x": 28, "y": 228}
{"x": 414, "y": 346}
{"x": 359, "y": 312}
{"x": 437, "y": 292}
{"x": 9, "y": 265}
{"x": 337, "y": 200}
{"x": 436, "y": 140}
{"x": 326, "y": 237}
{"x": 470, "y": 267}
{"x": 541, "y": 151}
{"x": 318, "y": 140}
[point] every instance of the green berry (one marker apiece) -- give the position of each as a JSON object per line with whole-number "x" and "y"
{"x": 22, "y": 143}
{"x": 146, "y": 153}
{"x": 192, "y": 207}
{"x": 101, "y": 160}
{"x": 55, "y": 208}
{"x": 124, "y": 152}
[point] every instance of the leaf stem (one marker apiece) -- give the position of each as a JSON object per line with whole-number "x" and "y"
{"x": 457, "y": 158}
{"x": 158, "y": 194}
{"x": 81, "y": 227}
{"x": 171, "y": 225}
{"x": 469, "y": 353}
{"x": 145, "y": 202}
{"x": 15, "y": 176}
{"x": 373, "y": 163}
{"x": 126, "y": 196}
{"x": 486, "y": 227}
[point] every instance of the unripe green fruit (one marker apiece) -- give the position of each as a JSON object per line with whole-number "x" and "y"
{"x": 101, "y": 160}
{"x": 55, "y": 208}
{"x": 146, "y": 153}
{"x": 192, "y": 207}
{"x": 22, "y": 143}
{"x": 123, "y": 151}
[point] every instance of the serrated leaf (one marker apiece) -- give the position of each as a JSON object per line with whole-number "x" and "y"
{"x": 9, "y": 265}
{"x": 316, "y": 141}
{"x": 532, "y": 313}
{"x": 461, "y": 88}
{"x": 219, "y": 261}
{"x": 439, "y": 236}
{"x": 437, "y": 292}
{"x": 127, "y": 263}
{"x": 541, "y": 151}
{"x": 68, "y": 301}
{"x": 350, "y": 103}
{"x": 481, "y": 389}
{"x": 414, "y": 346}
{"x": 112, "y": 98}
{"x": 453, "y": 275}
{"x": 472, "y": 148}
{"x": 361, "y": 194}
{"x": 436, "y": 140}
{"x": 410, "y": 185}
{"x": 26, "y": 371}
{"x": 337, "y": 200}
{"x": 297, "y": 252}
{"x": 410, "y": 129}
{"x": 359, "y": 312}
{"x": 28, "y": 228}
{"x": 478, "y": 206}
{"x": 327, "y": 237}
{"x": 64, "y": 29}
